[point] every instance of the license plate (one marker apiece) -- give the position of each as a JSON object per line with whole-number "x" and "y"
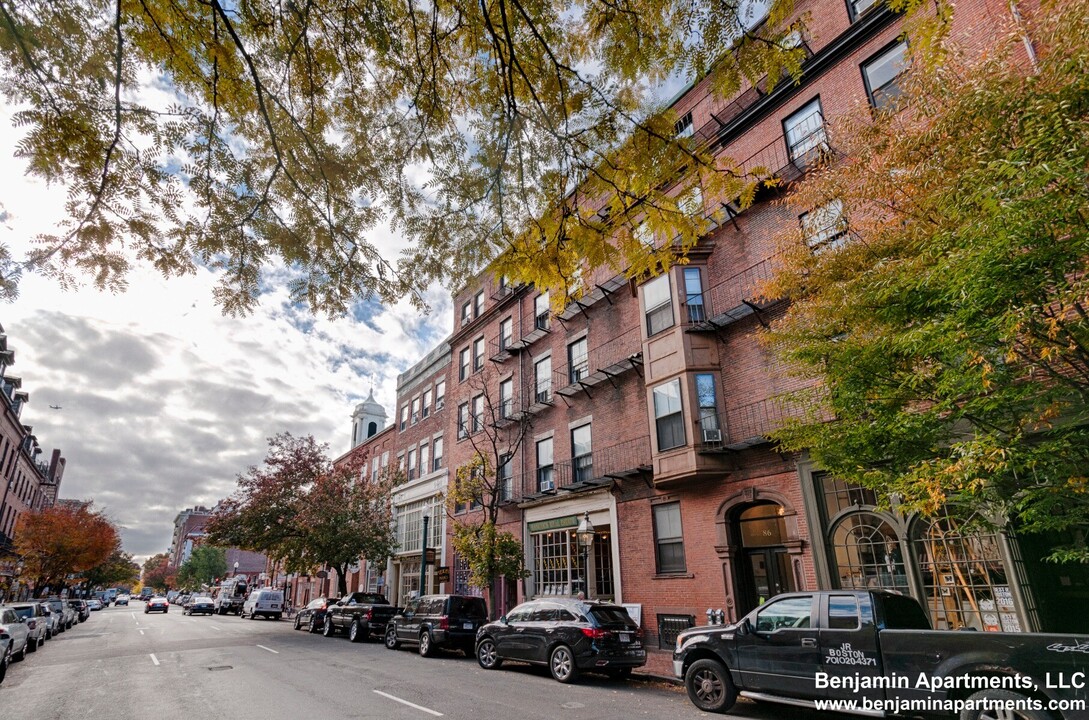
{"x": 274, "y": 606}
{"x": 467, "y": 626}
{"x": 625, "y": 637}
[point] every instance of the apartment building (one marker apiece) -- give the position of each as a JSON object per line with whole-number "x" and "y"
{"x": 627, "y": 433}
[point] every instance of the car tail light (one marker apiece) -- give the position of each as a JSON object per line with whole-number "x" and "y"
{"x": 369, "y": 614}
{"x": 444, "y": 622}
{"x": 595, "y": 633}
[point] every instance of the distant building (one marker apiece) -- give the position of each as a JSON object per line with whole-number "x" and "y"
{"x": 188, "y": 532}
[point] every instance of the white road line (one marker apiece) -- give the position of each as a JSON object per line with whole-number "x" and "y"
{"x": 133, "y": 615}
{"x": 274, "y": 652}
{"x": 214, "y": 627}
{"x": 421, "y": 708}
{"x": 141, "y": 632}
{"x": 154, "y": 659}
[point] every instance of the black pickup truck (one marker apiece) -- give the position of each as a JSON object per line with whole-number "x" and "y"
{"x": 873, "y": 653}
{"x": 362, "y": 615}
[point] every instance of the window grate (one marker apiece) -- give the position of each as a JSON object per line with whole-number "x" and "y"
{"x": 670, "y": 626}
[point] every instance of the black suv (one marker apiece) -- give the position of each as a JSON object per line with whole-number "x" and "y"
{"x": 565, "y": 634}
{"x": 438, "y": 621}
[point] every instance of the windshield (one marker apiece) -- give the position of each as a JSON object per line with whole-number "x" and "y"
{"x": 468, "y": 607}
{"x": 24, "y": 611}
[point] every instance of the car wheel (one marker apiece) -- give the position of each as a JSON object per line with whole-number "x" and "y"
{"x": 32, "y": 644}
{"x": 709, "y": 686}
{"x": 253, "y": 616}
{"x": 391, "y": 638}
{"x": 277, "y": 616}
{"x": 314, "y": 625}
{"x": 1015, "y": 707}
{"x": 562, "y": 664}
{"x": 3, "y": 666}
{"x": 355, "y": 633}
{"x": 427, "y": 648}
{"x": 48, "y": 634}
{"x": 620, "y": 673}
{"x": 487, "y": 655}
{"x": 21, "y": 655}
{"x": 298, "y": 623}
{"x": 327, "y": 628}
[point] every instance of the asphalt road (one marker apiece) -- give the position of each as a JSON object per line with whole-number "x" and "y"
{"x": 122, "y": 663}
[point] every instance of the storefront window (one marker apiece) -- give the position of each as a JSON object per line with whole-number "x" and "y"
{"x": 867, "y": 553}
{"x": 558, "y": 564}
{"x": 964, "y": 576}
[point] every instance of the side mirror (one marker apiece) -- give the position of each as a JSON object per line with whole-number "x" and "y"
{"x": 22, "y": 620}
{"x": 504, "y": 620}
{"x": 744, "y": 627}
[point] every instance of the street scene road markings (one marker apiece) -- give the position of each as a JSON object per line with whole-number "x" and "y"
{"x": 142, "y": 632}
{"x": 154, "y": 659}
{"x": 214, "y": 627}
{"x": 274, "y": 652}
{"x": 133, "y": 616}
{"x": 421, "y": 708}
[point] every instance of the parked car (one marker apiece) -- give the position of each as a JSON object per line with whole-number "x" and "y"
{"x": 264, "y": 601}
{"x": 567, "y": 635}
{"x": 157, "y": 604}
{"x": 121, "y": 600}
{"x": 15, "y": 628}
{"x": 94, "y": 604}
{"x": 65, "y": 617}
{"x": 835, "y": 645}
{"x": 199, "y": 604}
{"x": 36, "y": 620}
{"x": 55, "y": 624}
{"x": 435, "y": 622}
{"x": 312, "y": 617}
{"x": 81, "y": 609}
{"x": 181, "y": 599}
{"x": 361, "y": 615}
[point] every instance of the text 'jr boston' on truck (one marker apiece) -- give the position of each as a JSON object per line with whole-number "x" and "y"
{"x": 873, "y": 653}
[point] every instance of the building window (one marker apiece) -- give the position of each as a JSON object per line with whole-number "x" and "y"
{"x": 658, "y": 305}
{"x": 412, "y": 464}
{"x": 415, "y": 410}
{"x": 425, "y": 406}
{"x": 557, "y": 563}
{"x": 425, "y": 459}
{"x": 708, "y": 406}
{"x": 463, "y": 364}
{"x": 867, "y": 554}
{"x": 436, "y": 461}
{"x": 857, "y": 8}
{"x": 506, "y": 398}
{"x": 374, "y": 469}
{"x": 578, "y": 362}
{"x": 582, "y": 459}
{"x": 882, "y": 74}
{"x": 440, "y": 395}
{"x": 404, "y": 417}
{"x": 693, "y": 295}
{"x": 478, "y": 303}
{"x": 478, "y": 413}
{"x": 506, "y": 333}
{"x": 804, "y": 132}
{"x": 545, "y": 481}
{"x": 466, "y": 313}
{"x": 541, "y": 311}
{"x": 463, "y": 420}
{"x": 683, "y": 127}
{"x": 504, "y": 477}
{"x": 668, "y": 538}
{"x": 824, "y": 227}
{"x": 400, "y": 462}
{"x": 668, "y": 417}
{"x": 478, "y": 354}
{"x": 504, "y": 285}
{"x": 542, "y": 380}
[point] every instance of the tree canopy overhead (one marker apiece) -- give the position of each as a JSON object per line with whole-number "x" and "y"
{"x": 293, "y": 131}
{"x": 948, "y": 332}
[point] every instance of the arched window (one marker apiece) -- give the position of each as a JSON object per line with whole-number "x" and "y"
{"x": 372, "y": 428}
{"x": 964, "y": 577}
{"x": 867, "y": 553}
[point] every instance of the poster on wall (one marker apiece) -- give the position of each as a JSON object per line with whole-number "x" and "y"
{"x": 636, "y": 612}
{"x": 1010, "y": 623}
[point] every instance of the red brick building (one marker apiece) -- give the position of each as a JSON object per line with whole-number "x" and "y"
{"x": 645, "y": 406}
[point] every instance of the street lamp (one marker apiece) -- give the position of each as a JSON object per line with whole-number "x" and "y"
{"x": 585, "y": 536}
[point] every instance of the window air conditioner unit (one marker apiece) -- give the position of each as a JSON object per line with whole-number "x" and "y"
{"x": 712, "y": 435}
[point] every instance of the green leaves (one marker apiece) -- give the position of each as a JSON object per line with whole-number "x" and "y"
{"x": 950, "y": 333}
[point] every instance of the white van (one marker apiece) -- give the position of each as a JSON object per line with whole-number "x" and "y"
{"x": 264, "y": 601}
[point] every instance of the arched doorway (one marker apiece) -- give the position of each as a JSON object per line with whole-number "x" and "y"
{"x": 764, "y": 566}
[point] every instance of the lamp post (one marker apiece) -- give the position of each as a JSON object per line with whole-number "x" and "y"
{"x": 423, "y": 557}
{"x": 585, "y": 537}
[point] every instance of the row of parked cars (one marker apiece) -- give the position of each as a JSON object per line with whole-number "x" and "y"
{"x": 567, "y": 635}
{"x": 26, "y": 626}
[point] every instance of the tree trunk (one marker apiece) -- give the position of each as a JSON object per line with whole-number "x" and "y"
{"x": 342, "y": 580}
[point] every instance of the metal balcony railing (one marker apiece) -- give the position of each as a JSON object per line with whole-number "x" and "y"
{"x": 627, "y": 459}
{"x": 736, "y": 297}
{"x": 602, "y": 363}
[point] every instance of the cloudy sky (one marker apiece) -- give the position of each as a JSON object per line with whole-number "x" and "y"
{"x": 163, "y": 400}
